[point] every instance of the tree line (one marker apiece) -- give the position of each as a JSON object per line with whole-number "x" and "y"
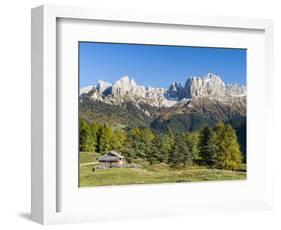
{"x": 214, "y": 147}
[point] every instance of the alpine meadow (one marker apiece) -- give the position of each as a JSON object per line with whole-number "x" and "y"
{"x": 161, "y": 114}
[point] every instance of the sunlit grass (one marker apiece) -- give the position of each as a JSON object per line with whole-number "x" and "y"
{"x": 86, "y": 157}
{"x": 160, "y": 173}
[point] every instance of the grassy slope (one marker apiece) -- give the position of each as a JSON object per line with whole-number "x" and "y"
{"x": 86, "y": 157}
{"x": 151, "y": 175}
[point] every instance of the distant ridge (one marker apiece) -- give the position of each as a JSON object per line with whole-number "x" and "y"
{"x": 210, "y": 86}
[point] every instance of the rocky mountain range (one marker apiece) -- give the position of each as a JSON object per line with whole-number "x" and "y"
{"x": 126, "y": 89}
{"x": 180, "y": 107}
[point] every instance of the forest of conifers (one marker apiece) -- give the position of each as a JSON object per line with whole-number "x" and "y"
{"x": 213, "y": 147}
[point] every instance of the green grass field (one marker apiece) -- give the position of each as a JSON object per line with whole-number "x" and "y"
{"x": 86, "y": 157}
{"x": 150, "y": 175}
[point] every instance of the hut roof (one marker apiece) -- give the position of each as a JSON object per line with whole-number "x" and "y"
{"x": 106, "y": 158}
{"x": 111, "y": 156}
{"x": 114, "y": 153}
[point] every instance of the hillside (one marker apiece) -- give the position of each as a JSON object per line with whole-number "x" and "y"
{"x": 181, "y": 108}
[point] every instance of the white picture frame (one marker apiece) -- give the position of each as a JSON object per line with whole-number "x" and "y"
{"x": 47, "y": 175}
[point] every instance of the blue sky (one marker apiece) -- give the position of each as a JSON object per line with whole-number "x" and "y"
{"x": 158, "y": 66}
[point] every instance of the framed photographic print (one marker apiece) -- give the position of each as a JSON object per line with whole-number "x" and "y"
{"x": 172, "y": 128}
{"x": 139, "y": 115}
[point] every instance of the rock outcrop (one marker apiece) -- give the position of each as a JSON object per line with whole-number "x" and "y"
{"x": 211, "y": 86}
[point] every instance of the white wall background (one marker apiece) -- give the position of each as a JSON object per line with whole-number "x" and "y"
{"x": 15, "y": 112}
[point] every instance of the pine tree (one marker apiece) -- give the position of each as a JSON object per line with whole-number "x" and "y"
{"x": 207, "y": 146}
{"x": 134, "y": 146}
{"x": 85, "y": 137}
{"x": 105, "y": 136}
{"x": 170, "y": 142}
{"x": 229, "y": 155}
{"x": 161, "y": 153}
{"x": 147, "y": 135}
{"x": 192, "y": 140}
{"x": 94, "y": 132}
{"x": 118, "y": 140}
{"x": 180, "y": 155}
{"x": 152, "y": 153}
{"x": 135, "y": 133}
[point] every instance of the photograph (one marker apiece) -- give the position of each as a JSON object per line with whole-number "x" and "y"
{"x": 151, "y": 114}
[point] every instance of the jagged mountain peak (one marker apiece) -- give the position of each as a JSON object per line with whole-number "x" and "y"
{"x": 103, "y": 87}
{"x": 210, "y": 78}
{"x": 87, "y": 89}
{"x": 124, "y": 80}
{"x": 211, "y": 86}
